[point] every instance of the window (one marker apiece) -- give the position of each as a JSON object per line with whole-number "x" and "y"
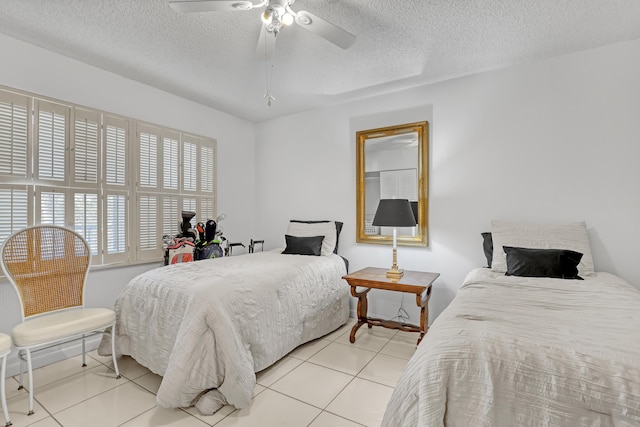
{"x": 118, "y": 182}
{"x": 14, "y": 209}
{"x": 14, "y": 164}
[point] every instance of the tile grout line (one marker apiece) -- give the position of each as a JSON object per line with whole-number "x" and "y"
{"x": 302, "y": 361}
{"x": 353, "y": 377}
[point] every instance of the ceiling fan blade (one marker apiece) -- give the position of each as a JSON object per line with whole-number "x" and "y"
{"x": 188, "y": 6}
{"x": 266, "y": 44}
{"x": 325, "y": 29}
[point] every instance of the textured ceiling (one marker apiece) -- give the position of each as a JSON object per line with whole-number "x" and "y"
{"x": 210, "y": 57}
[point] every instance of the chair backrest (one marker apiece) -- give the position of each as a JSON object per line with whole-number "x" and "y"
{"x": 48, "y": 266}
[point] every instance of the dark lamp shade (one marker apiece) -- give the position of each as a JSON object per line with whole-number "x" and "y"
{"x": 414, "y": 209}
{"x": 394, "y": 213}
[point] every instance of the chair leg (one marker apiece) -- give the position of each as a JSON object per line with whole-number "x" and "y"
{"x": 113, "y": 350}
{"x": 84, "y": 351}
{"x": 21, "y": 357}
{"x": 3, "y": 395}
{"x": 30, "y": 372}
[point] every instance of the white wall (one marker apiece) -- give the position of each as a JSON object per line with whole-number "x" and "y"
{"x": 551, "y": 141}
{"x": 42, "y": 72}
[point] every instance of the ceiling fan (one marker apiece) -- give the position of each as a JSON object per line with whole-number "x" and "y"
{"x": 276, "y": 15}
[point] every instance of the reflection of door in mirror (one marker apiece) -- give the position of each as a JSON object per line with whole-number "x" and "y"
{"x": 391, "y": 172}
{"x": 392, "y": 162}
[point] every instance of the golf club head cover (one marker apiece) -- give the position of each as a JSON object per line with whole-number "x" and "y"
{"x": 210, "y": 230}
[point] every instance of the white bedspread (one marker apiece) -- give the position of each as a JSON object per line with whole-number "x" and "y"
{"x": 513, "y": 351}
{"x": 210, "y": 325}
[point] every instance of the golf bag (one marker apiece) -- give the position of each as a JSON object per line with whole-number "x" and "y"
{"x": 182, "y": 247}
{"x": 181, "y": 251}
{"x": 208, "y": 246}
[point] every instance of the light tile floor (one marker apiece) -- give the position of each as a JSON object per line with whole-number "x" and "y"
{"x": 328, "y": 382}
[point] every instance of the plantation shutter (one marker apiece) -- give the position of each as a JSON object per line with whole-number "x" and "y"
{"x": 86, "y": 148}
{"x": 207, "y": 209}
{"x": 52, "y": 135}
{"x": 14, "y": 209}
{"x": 73, "y": 166}
{"x": 207, "y": 167}
{"x": 171, "y": 217}
{"x": 170, "y": 161}
{"x": 116, "y": 183}
{"x": 148, "y": 156}
{"x": 14, "y": 134}
{"x": 115, "y": 229}
{"x": 190, "y": 204}
{"x": 86, "y": 215}
{"x": 189, "y": 165}
{"x": 116, "y": 138}
{"x": 50, "y": 206}
{"x": 408, "y": 184}
{"x": 149, "y": 238}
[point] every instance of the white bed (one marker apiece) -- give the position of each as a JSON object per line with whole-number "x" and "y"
{"x": 208, "y": 326}
{"x": 525, "y": 351}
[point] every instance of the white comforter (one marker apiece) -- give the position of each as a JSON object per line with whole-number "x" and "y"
{"x": 210, "y": 325}
{"x": 512, "y": 351}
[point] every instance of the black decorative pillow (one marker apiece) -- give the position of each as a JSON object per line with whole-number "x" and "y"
{"x": 555, "y": 263}
{"x": 487, "y": 245}
{"x": 303, "y": 245}
{"x": 338, "y": 229}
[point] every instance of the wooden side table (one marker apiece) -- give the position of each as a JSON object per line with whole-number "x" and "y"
{"x": 414, "y": 282}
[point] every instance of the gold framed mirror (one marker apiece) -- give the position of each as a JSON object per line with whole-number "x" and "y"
{"x": 392, "y": 163}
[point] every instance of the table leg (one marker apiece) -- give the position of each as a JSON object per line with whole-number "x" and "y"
{"x": 362, "y": 311}
{"x": 423, "y": 303}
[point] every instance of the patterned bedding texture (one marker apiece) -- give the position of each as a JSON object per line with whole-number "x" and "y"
{"x": 522, "y": 351}
{"x": 207, "y": 327}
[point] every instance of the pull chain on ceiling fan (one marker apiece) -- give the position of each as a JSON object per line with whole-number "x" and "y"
{"x": 276, "y": 15}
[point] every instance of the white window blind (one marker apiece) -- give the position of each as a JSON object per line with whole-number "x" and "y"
{"x": 55, "y": 248}
{"x": 189, "y": 165}
{"x": 206, "y": 168}
{"x": 207, "y": 209}
{"x": 399, "y": 184}
{"x": 85, "y": 220}
{"x": 408, "y": 184}
{"x": 170, "y": 215}
{"x": 115, "y": 147}
{"x": 116, "y": 228}
{"x": 86, "y": 125}
{"x": 14, "y": 212}
{"x": 189, "y": 204}
{"x": 148, "y": 158}
{"x": 52, "y": 135}
{"x": 149, "y": 238}
{"x": 13, "y": 134}
{"x": 170, "y": 162}
{"x": 72, "y": 166}
{"x": 52, "y": 207}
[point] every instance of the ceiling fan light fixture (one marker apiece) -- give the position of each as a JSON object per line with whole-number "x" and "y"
{"x": 267, "y": 15}
{"x": 287, "y": 19}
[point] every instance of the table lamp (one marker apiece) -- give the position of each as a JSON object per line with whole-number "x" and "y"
{"x": 394, "y": 213}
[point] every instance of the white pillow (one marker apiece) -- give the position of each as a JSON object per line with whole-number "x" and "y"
{"x": 573, "y": 236}
{"x": 326, "y": 229}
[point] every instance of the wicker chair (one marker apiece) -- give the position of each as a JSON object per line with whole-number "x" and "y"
{"x": 48, "y": 267}
{"x": 5, "y": 349}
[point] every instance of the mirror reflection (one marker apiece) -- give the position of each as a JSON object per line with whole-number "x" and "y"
{"x": 392, "y": 165}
